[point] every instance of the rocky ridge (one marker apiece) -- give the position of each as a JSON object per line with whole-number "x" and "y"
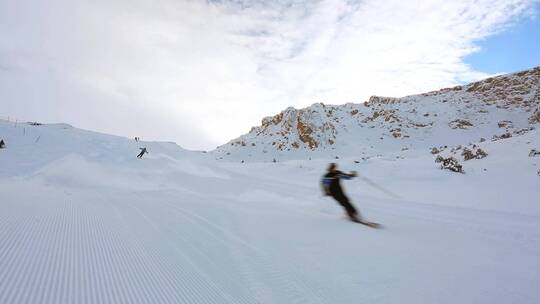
{"x": 448, "y": 116}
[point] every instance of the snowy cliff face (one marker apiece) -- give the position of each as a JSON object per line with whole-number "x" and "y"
{"x": 450, "y": 116}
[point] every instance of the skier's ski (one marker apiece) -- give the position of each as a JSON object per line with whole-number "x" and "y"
{"x": 369, "y": 224}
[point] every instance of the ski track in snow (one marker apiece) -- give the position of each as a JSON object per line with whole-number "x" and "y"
{"x": 506, "y": 227}
{"x": 113, "y": 250}
{"x": 252, "y": 262}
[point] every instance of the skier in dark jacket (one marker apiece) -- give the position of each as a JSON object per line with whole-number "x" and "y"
{"x": 2, "y": 144}
{"x": 332, "y": 187}
{"x": 143, "y": 151}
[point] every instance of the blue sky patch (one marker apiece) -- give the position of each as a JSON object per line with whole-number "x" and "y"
{"x": 514, "y": 49}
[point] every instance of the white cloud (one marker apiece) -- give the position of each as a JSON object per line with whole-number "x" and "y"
{"x": 203, "y": 72}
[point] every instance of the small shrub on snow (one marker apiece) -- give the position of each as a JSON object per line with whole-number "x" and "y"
{"x": 460, "y": 124}
{"x": 467, "y": 154}
{"x": 523, "y": 131}
{"x": 502, "y": 136}
{"x": 449, "y": 163}
{"x": 533, "y": 153}
{"x": 505, "y": 124}
{"x": 535, "y": 118}
{"x": 478, "y": 154}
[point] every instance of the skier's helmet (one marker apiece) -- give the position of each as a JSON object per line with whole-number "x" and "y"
{"x": 332, "y": 167}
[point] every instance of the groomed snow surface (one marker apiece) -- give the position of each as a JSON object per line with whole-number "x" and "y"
{"x": 82, "y": 220}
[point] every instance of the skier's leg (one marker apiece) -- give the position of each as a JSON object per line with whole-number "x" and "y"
{"x": 349, "y": 208}
{"x": 351, "y": 211}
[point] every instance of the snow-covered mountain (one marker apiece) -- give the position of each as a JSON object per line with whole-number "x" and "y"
{"x": 448, "y": 117}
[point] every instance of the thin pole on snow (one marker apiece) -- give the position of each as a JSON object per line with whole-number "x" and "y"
{"x": 376, "y": 186}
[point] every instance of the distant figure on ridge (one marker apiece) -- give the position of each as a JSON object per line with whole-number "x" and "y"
{"x": 332, "y": 187}
{"x": 143, "y": 151}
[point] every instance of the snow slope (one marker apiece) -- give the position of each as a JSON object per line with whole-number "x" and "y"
{"x": 84, "y": 221}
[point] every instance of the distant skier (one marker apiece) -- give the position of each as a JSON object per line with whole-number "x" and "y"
{"x": 143, "y": 151}
{"x": 2, "y": 144}
{"x": 332, "y": 187}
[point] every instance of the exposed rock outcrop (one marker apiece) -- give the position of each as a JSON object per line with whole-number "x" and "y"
{"x": 405, "y": 121}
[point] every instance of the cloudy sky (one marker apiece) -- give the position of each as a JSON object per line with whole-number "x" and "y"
{"x": 203, "y": 72}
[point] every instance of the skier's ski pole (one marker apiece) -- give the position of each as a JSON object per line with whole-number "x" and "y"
{"x": 374, "y": 185}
